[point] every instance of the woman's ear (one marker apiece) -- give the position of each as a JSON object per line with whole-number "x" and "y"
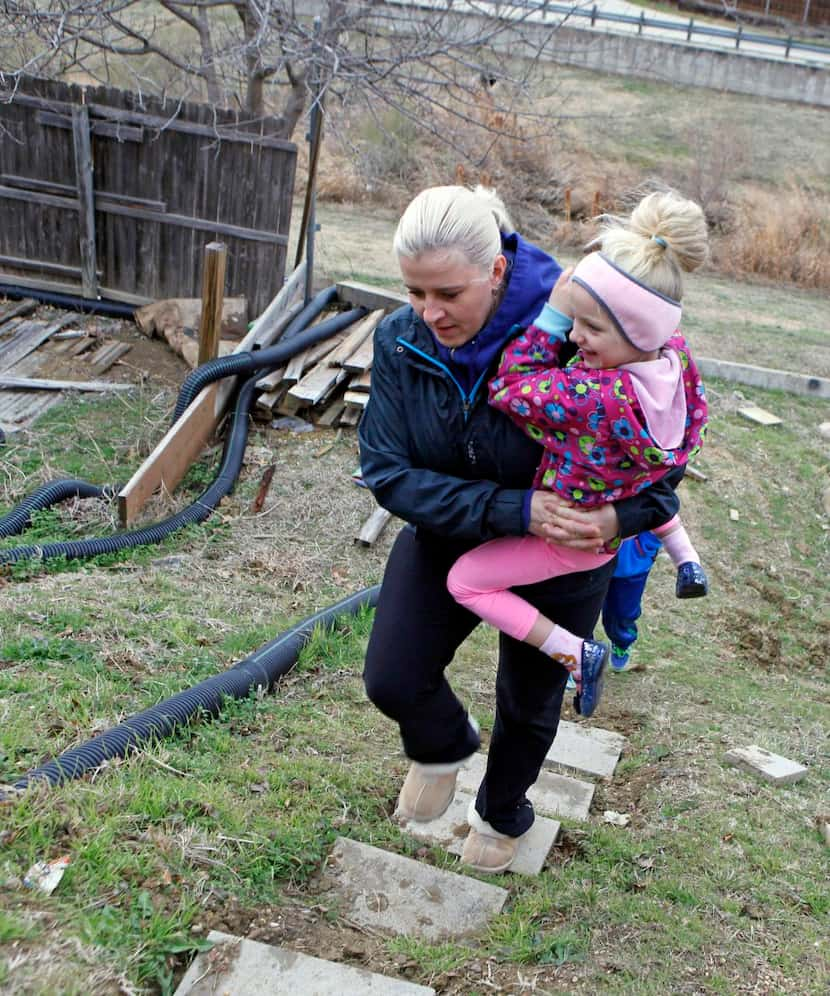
{"x": 499, "y": 270}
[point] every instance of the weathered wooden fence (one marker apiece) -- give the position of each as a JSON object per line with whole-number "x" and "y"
{"x": 107, "y": 194}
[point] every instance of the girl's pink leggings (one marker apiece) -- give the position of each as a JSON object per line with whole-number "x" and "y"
{"x": 481, "y": 578}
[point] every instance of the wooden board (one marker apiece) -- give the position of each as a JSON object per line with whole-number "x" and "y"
{"x": 170, "y": 460}
{"x": 28, "y": 337}
{"x": 361, "y": 330}
{"x": 361, "y": 359}
{"x": 102, "y": 359}
{"x": 356, "y": 399}
{"x": 15, "y": 308}
{"x": 317, "y": 384}
{"x": 373, "y": 527}
{"x": 34, "y": 384}
{"x": 357, "y": 294}
{"x": 351, "y": 416}
{"x": 361, "y": 382}
{"x": 332, "y": 413}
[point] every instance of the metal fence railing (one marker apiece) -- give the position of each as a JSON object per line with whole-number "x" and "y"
{"x": 689, "y": 29}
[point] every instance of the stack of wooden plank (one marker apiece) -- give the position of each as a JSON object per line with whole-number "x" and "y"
{"x": 23, "y": 339}
{"x": 329, "y": 382}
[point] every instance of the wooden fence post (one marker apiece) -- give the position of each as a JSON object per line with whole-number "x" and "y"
{"x": 86, "y": 208}
{"x": 595, "y": 211}
{"x": 213, "y": 294}
{"x": 568, "y": 205}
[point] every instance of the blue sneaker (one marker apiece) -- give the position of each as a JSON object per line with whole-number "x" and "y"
{"x": 619, "y": 658}
{"x": 594, "y": 659}
{"x": 691, "y": 581}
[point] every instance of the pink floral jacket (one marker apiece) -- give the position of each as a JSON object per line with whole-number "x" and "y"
{"x": 597, "y": 445}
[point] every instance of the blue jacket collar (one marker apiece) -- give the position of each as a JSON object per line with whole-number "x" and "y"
{"x": 532, "y": 274}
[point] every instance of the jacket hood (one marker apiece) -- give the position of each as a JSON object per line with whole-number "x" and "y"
{"x": 532, "y": 274}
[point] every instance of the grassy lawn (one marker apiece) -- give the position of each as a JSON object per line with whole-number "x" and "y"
{"x": 718, "y": 885}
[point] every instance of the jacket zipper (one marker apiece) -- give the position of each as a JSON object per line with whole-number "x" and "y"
{"x": 466, "y": 399}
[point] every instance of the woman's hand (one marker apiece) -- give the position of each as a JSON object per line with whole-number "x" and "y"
{"x": 560, "y": 296}
{"x": 572, "y": 525}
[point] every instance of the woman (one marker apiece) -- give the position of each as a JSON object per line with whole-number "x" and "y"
{"x": 437, "y": 455}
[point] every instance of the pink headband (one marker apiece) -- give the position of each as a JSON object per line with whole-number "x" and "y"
{"x": 645, "y": 317}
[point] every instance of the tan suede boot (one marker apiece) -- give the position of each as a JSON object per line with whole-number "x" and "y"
{"x": 427, "y": 791}
{"x": 485, "y": 849}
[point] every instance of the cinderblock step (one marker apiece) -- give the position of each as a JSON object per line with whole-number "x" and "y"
{"x": 449, "y": 831}
{"x": 552, "y": 795}
{"x": 586, "y": 749}
{"x": 249, "y": 968}
{"x": 396, "y": 894}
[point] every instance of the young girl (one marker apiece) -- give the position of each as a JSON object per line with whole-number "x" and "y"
{"x": 628, "y": 408}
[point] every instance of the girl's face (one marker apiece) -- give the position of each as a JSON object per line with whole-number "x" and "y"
{"x": 600, "y": 343}
{"x": 453, "y": 296}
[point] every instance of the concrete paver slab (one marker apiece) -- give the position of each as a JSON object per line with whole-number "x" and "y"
{"x": 771, "y": 767}
{"x": 450, "y": 830}
{"x": 396, "y": 894}
{"x": 552, "y": 795}
{"x": 250, "y": 968}
{"x": 586, "y": 748}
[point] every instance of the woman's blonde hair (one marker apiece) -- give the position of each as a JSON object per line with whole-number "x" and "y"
{"x": 663, "y": 236}
{"x": 469, "y": 221}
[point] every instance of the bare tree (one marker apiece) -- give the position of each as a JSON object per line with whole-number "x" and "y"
{"x": 431, "y": 62}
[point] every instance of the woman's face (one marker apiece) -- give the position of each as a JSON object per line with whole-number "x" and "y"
{"x": 452, "y": 295}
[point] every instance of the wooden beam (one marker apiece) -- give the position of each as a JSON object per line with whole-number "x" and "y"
{"x": 129, "y": 211}
{"x": 373, "y": 527}
{"x": 170, "y": 460}
{"x": 317, "y": 384}
{"x": 35, "y": 283}
{"x": 361, "y": 358}
{"x": 355, "y": 339}
{"x": 270, "y": 324}
{"x": 86, "y": 205}
{"x": 370, "y": 297}
{"x": 213, "y": 294}
{"x": 121, "y": 133}
{"x": 24, "y": 307}
{"x": 102, "y": 359}
{"x": 33, "y": 384}
{"x": 172, "y": 123}
{"x": 27, "y": 338}
{"x": 59, "y": 269}
{"x": 48, "y": 187}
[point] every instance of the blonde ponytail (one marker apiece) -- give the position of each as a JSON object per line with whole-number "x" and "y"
{"x": 664, "y": 236}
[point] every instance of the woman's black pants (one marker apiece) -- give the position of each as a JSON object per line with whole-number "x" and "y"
{"x": 418, "y": 628}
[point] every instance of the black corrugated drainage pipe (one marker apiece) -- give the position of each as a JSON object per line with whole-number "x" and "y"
{"x": 197, "y": 512}
{"x": 114, "y": 309}
{"x": 250, "y": 362}
{"x": 18, "y": 518}
{"x": 45, "y": 496}
{"x": 259, "y": 671}
{"x": 314, "y": 307}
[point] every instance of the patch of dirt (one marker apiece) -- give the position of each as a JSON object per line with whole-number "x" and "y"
{"x": 626, "y": 794}
{"x": 149, "y": 361}
{"x": 316, "y": 930}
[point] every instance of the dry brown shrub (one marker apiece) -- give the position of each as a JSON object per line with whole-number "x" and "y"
{"x": 783, "y": 235}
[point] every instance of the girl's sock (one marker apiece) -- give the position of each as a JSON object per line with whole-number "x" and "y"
{"x": 677, "y": 543}
{"x": 565, "y": 648}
